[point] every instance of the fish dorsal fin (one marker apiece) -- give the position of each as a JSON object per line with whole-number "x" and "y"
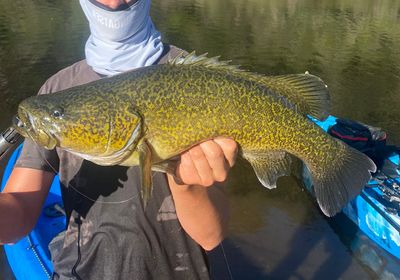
{"x": 269, "y": 166}
{"x": 203, "y": 60}
{"x": 307, "y": 92}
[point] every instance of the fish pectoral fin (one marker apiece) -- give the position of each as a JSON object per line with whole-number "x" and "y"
{"x": 269, "y": 166}
{"x": 145, "y": 170}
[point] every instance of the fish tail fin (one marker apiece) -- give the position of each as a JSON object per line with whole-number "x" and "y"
{"x": 341, "y": 180}
{"x": 307, "y": 92}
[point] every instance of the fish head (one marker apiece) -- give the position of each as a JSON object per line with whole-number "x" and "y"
{"x": 92, "y": 127}
{"x": 36, "y": 123}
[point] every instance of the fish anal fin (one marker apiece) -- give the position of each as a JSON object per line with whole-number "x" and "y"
{"x": 269, "y": 166}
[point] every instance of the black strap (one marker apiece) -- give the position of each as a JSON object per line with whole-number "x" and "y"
{"x": 78, "y": 221}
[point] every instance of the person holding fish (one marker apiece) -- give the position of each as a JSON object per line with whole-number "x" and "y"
{"x": 111, "y": 234}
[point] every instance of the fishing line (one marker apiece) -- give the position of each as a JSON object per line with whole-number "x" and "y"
{"x": 81, "y": 193}
{"x": 226, "y": 261}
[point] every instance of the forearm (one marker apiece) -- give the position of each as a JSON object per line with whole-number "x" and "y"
{"x": 21, "y": 202}
{"x": 13, "y": 222}
{"x": 202, "y": 212}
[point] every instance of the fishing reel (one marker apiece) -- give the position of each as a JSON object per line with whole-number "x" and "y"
{"x": 9, "y": 137}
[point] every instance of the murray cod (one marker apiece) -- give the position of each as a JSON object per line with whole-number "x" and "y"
{"x": 148, "y": 116}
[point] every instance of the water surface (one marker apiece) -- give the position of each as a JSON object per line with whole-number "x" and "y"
{"x": 353, "y": 45}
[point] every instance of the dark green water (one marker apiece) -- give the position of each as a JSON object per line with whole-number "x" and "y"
{"x": 353, "y": 45}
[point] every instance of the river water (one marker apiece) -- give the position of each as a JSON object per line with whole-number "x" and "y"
{"x": 354, "y": 46}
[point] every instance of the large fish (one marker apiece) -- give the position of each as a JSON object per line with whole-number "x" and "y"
{"x": 149, "y": 116}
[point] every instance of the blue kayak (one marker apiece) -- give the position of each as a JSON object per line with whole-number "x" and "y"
{"x": 30, "y": 258}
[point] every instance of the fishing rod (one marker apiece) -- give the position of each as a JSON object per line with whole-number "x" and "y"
{"x": 9, "y": 137}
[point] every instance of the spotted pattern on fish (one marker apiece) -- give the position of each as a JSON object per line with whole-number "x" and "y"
{"x": 152, "y": 114}
{"x": 182, "y": 106}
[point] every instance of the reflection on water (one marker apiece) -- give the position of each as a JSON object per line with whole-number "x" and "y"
{"x": 353, "y": 45}
{"x": 281, "y": 234}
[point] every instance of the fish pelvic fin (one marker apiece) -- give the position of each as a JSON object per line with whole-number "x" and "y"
{"x": 308, "y": 93}
{"x": 145, "y": 171}
{"x": 269, "y": 166}
{"x": 167, "y": 166}
{"x": 342, "y": 181}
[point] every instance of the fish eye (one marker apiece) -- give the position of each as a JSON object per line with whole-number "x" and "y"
{"x": 57, "y": 112}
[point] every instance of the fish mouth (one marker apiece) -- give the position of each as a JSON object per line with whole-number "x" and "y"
{"x": 30, "y": 127}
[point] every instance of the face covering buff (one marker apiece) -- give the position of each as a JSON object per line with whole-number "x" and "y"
{"x": 121, "y": 40}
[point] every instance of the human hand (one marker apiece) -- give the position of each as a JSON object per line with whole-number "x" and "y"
{"x": 203, "y": 212}
{"x": 208, "y": 162}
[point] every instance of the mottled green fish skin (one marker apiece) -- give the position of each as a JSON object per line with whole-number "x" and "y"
{"x": 181, "y": 106}
{"x": 185, "y": 105}
{"x": 174, "y": 107}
